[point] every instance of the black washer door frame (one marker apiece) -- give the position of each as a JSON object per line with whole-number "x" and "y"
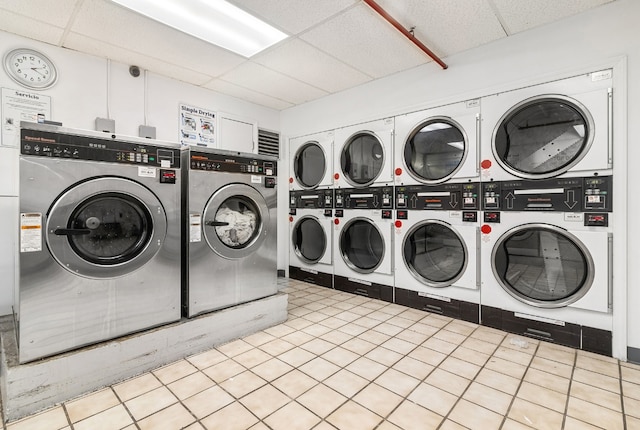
{"x": 66, "y": 205}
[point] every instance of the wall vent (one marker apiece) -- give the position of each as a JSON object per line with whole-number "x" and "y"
{"x": 268, "y": 143}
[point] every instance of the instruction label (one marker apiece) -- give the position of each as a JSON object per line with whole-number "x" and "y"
{"x": 195, "y": 227}
{"x": 146, "y": 172}
{"x": 30, "y": 232}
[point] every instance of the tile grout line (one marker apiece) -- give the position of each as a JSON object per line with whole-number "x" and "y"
{"x": 624, "y": 415}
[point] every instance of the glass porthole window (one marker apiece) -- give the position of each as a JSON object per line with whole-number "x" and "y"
{"x": 362, "y": 159}
{"x": 310, "y": 165}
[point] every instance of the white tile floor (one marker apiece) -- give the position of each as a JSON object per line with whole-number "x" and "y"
{"x": 347, "y": 362}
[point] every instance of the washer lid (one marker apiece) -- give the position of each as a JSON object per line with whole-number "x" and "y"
{"x": 434, "y": 253}
{"x": 542, "y": 265}
{"x": 361, "y": 245}
{"x": 435, "y": 150}
{"x": 235, "y": 220}
{"x": 362, "y": 159}
{"x": 105, "y": 227}
{"x": 543, "y": 136}
{"x": 310, "y": 165}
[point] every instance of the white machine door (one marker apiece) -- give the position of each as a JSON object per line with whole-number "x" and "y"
{"x": 546, "y": 266}
{"x": 438, "y": 148}
{"x": 311, "y": 164}
{"x": 105, "y": 227}
{"x": 310, "y": 240}
{"x": 438, "y": 255}
{"x": 543, "y": 136}
{"x": 235, "y": 221}
{"x": 364, "y": 246}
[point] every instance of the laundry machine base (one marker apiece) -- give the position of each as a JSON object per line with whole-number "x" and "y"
{"x": 370, "y": 289}
{"x": 568, "y": 334}
{"x": 313, "y": 277}
{"x": 452, "y": 308}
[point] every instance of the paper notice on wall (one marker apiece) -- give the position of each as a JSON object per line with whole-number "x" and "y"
{"x": 19, "y": 106}
{"x": 197, "y": 126}
{"x": 30, "y": 232}
{"x": 195, "y": 227}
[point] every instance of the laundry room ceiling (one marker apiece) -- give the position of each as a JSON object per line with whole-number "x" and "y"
{"x": 332, "y": 45}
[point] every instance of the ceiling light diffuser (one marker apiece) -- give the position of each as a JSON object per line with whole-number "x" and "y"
{"x": 214, "y": 21}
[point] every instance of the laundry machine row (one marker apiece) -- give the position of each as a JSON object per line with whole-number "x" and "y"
{"x": 105, "y": 249}
{"x": 311, "y": 233}
{"x": 437, "y": 249}
{"x": 546, "y": 255}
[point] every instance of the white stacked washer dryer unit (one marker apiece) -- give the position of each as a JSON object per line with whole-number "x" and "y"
{"x": 560, "y": 128}
{"x": 99, "y": 238}
{"x": 311, "y": 233}
{"x": 363, "y": 242}
{"x": 437, "y": 249}
{"x": 547, "y": 273}
{"x": 311, "y": 161}
{"x": 363, "y": 155}
{"x": 438, "y": 145}
{"x": 229, "y": 237}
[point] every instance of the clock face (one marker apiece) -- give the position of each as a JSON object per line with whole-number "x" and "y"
{"x": 30, "y": 68}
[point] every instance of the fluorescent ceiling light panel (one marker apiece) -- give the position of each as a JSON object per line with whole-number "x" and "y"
{"x": 214, "y": 21}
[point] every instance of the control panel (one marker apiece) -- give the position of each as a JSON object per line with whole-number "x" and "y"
{"x": 311, "y": 199}
{"x": 364, "y": 198}
{"x": 449, "y": 197}
{"x": 61, "y": 145}
{"x": 589, "y": 194}
{"x": 213, "y": 162}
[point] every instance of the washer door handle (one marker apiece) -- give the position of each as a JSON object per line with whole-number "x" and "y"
{"x": 71, "y": 231}
{"x": 216, "y": 223}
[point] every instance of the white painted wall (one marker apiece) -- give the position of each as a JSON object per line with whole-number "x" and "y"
{"x": 603, "y": 37}
{"x": 90, "y": 87}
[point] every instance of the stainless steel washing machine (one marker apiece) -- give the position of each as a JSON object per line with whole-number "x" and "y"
{"x": 229, "y": 237}
{"x": 311, "y": 230}
{"x": 99, "y": 238}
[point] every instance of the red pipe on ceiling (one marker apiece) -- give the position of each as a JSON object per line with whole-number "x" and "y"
{"x": 375, "y": 6}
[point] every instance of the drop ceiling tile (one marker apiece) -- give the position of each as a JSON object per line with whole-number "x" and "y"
{"x": 27, "y": 27}
{"x": 246, "y": 94}
{"x": 294, "y": 16}
{"x": 266, "y": 81}
{"x": 117, "y": 26}
{"x": 361, "y": 38}
{"x": 55, "y": 13}
{"x": 447, "y": 27}
{"x": 88, "y": 45}
{"x": 520, "y": 15}
{"x": 305, "y": 63}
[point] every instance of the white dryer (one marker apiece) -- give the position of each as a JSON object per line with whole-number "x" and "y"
{"x": 558, "y": 128}
{"x": 311, "y": 233}
{"x": 436, "y": 250}
{"x": 311, "y": 159}
{"x": 438, "y": 145}
{"x": 363, "y": 155}
{"x": 547, "y": 274}
{"x": 363, "y": 242}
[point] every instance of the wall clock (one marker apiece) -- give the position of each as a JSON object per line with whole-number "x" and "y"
{"x": 30, "y": 68}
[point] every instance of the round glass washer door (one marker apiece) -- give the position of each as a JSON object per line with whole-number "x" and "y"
{"x": 543, "y": 136}
{"x": 310, "y": 165}
{"x": 361, "y": 245}
{"x": 435, "y": 150}
{"x": 105, "y": 227}
{"x": 235, "y": 221}
{"x": 309, "y": 239}
{"x": 362, "y": 159}
{"x": 542, "y": 265}
{"x": 434, "y": 253}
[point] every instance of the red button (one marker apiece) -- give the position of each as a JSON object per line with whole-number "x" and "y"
{"x": 485, "y": 164}
{"x": 290, "y": 219}
{"x": 398, "y": 223}
{"x": 486, "y": 229}
{"x": 398, "y": 171}
{"x": 336, "y": 221}
{"x": 291, "y": 180}
{"x": 336, "y": 176}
